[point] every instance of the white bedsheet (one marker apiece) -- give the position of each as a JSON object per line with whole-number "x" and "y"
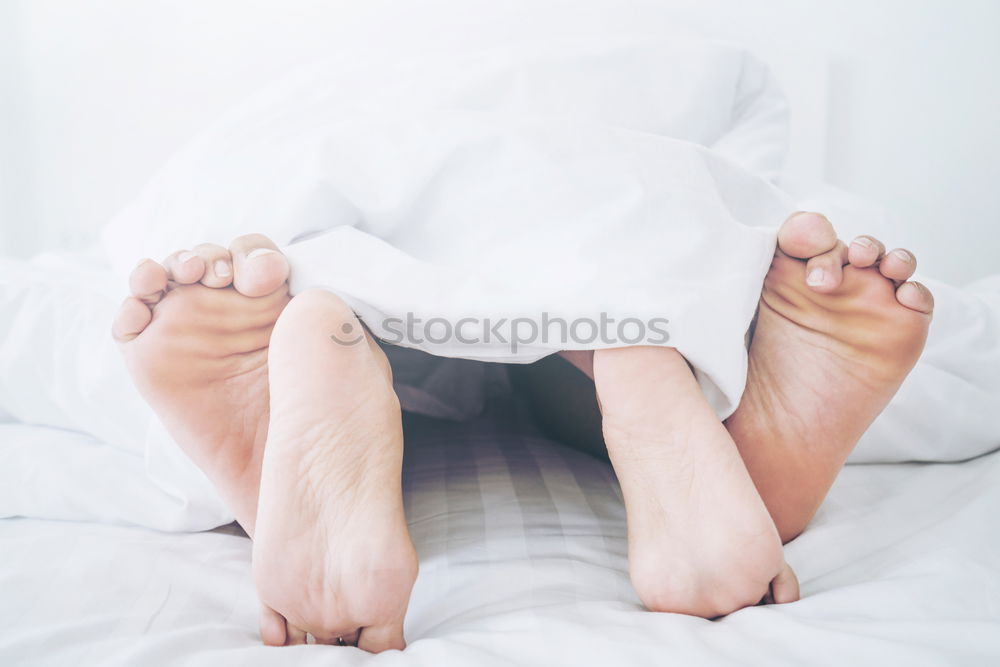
{"x": 523, "y": 561}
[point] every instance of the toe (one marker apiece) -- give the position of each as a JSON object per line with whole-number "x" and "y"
{"x": 865, "y": 251}
{"x": 273, "y": 629}
{"x": 806, "y": 235}
{"x": 785, "y": 587}
{"x": 825, "y": 272}
{"x": 133, "y": 316}
{"x": 378, "y": 638}
{"x": 259, "y": 267}
{"x": 295, "y": 636}
{"x": 218, "y": 265}
{"x": 184, "y": 267}
{"x": 915, "y": 296}
{"x": 147, "y": 281}
{"x": 898, "y": 265}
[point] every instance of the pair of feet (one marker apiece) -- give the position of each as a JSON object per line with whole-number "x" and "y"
{"x": 710, "y": 505}
{"x": 250, "y": 384}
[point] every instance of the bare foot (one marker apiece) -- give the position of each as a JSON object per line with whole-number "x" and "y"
{"x": 831, "y": 345}
{"x": 701, "y": 541}
{"x": 195, "y": 345}
{"x": 332, "y": 553}
{"x": 194, "y": 335}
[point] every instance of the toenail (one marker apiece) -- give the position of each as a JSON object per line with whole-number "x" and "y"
{"x": 816, "y": 277}
{"x": 903, "y": 255}
{"x": 259, "y": 252}
{"x": 864, "y": 242}
{"x": 222, "y": 268}
{"x": 186, "y": 256}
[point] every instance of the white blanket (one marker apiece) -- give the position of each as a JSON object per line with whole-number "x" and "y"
{"x": 511, "y": 201}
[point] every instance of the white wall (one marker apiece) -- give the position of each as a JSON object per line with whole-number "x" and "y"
{"x": 913, "y": 118}
{"x": 93, "y": 96}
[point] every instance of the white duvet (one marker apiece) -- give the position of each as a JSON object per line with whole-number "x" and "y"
{"x": 507, "y": 199}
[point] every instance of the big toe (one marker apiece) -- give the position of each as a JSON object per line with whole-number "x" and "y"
{"x": 259, "y": 267}
{"x": 376, "y": 639}
{"x": 784, "y": 588}
{"x": 273, "y": 628}
{"x": 806, "y": 235}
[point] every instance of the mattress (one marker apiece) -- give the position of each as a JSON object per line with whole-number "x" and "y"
{"x": 522, "y": 547}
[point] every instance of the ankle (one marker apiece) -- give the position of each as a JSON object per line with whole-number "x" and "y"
{"x": 638, "y": 384}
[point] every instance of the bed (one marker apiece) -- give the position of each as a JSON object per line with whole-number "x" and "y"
{"x": 523, "y": 561}
{"x": 521, "y": 539}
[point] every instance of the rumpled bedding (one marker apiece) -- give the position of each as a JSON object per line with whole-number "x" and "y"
{"x": 522, "y": 550}
{"x": 497, "y": 193}
{"x": 59, "y": 368}
{"x": 493, "y": 183}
